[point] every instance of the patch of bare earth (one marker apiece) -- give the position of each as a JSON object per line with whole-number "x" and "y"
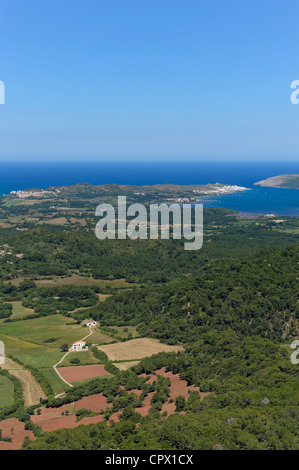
{"x": 146, "y": 405}
{"x": 126, "y": 365}
{"x": 52, "y": 419}
{"x": 94, "y": 403}
{"x": 178, "y": 387}
{"x": 15, "y": 430}
{"x": 77, "y": 373}
{"x": 136, "y": 349}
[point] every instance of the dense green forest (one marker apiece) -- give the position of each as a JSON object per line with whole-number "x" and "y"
{"x": 233, "y": 306}
{"x": 235, "y": 321}
{"x": 60, "y": 252}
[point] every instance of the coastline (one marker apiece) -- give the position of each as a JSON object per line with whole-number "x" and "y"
{"x": 259, "y": 199}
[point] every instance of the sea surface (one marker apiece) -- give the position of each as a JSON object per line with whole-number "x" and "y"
{"x": 25, "y": 175}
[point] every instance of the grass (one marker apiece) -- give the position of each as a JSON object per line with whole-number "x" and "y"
{"x": 55, "y": 221}
{"x": 18, "y": 346}
{"x": 85, "y": 381}
{"x": 39, "y": 330}
{"x": 41, "y": 359}
{"x": 99, "y": 338}
{"x": 103, "y": 297}
{"x": 77, "y": 280}
{"x": 136, "y": 349}
{"x": 6, "y": 392}
{"x": 23, "y": 202}
{"x": 57, "y": 384}
{"x": 25, "y": 341}
{"x": 124, "y": 334}
{"x": 18, "y": 311}
{"x": 86, "y": 357}
{"x": 125, "y": 365}
{"x": 5, "y": 224}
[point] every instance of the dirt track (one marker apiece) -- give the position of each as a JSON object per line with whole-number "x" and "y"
{"x": 32, "y": 391}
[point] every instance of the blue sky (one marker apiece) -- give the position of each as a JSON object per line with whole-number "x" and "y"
{"x": 149, "y": 79}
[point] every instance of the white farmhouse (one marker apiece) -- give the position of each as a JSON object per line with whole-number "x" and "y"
{"x": 79, "y": 345}
{"x": 89, "y": 322}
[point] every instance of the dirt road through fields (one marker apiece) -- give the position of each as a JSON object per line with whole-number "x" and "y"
{"x": 59, "y": 362}
{"x": 32, "y": 391}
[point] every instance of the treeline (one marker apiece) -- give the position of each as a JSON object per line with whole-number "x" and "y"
{"x": 18, "y": 395}
{"x": 251, "y": 428}
{"x": 5, "y": 310}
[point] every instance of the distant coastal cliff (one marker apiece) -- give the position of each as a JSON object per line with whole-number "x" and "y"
{"x": 280, "y": 181}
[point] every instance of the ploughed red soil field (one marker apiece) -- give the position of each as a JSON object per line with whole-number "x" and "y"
{"x": 77, "y": 373}
{"x": 48, "y": 414}
{"x": 14, "y": 429}
{"x": 94, "y": 403}
{"x": 52, "y": 419}
{"x": 146, "y": 405}
{"x": 115, "y": 416}
{"x": 178, "y": 387}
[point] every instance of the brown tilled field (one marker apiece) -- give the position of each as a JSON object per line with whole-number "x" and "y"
{"x": 14, "y": 429}
{"x": 136, "y": 349}
{"x": 178, "y": 387}
{"x": 52, "y": 419}
{"x": 146, "y": 405}
{"x": 77, "y": 373}
{"x": 94, "y": 403}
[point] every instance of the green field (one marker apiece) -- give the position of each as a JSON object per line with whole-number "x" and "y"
{"x": 123, "y": 334}
{"x": 40, "y": 330}
{"x": 22, "y": 202}
{"x": 77, "y": 280}
{"x": 57, "y": 384}
{"x": 41, "y": 359}
{"x": 85, "y": 381}
{"x": 86, "y": 357}
{"x": 18, "y": 346}
{"x": 18, "y": 311}
{"x": 27, "y": 341}
{"x": 98, "y": 337}
{"x": 6, "y": 392}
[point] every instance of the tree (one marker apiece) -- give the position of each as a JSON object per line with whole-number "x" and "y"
{"x": 75, "y": 360}
{"x": 180, "y": 403}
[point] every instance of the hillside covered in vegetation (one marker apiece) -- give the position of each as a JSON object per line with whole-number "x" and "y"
{"x": 231, "y": 309}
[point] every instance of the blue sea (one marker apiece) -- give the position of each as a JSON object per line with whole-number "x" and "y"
{"x": 25, "y": 175}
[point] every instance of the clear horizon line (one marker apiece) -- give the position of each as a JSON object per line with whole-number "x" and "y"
{"x": 148, "y": 161}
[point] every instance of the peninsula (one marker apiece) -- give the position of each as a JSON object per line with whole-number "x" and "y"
{"x": 280, "y": 181}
